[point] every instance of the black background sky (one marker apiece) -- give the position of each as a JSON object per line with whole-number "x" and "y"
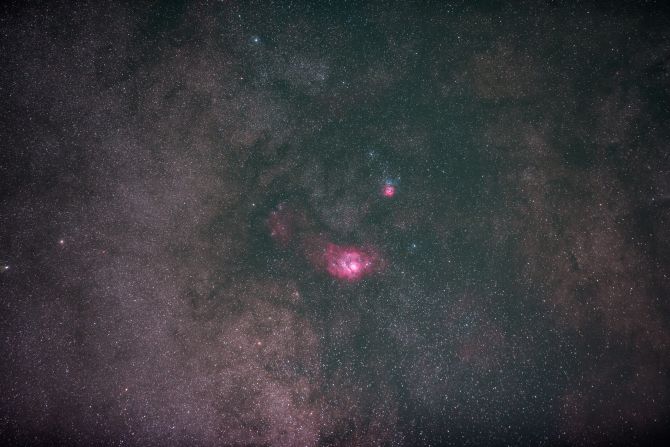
{"x": 519, "y": 280}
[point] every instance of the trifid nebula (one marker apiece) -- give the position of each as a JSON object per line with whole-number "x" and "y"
{"x": 334, "y": 223}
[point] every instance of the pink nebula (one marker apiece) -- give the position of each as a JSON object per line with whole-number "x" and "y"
{"x": 349, "y": 263}
{"x": 290, "y": 229}
{"x": 388, "y": 191}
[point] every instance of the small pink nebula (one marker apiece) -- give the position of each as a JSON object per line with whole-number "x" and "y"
{"x": 388, "y": 191}
{"x": 348, "y": 263}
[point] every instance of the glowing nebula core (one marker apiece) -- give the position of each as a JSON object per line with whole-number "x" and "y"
{"x": 388, "y": 191}
{"x": 349, "y": 263}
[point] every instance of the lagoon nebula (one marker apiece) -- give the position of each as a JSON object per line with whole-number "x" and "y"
{"x": 334, "y": 224}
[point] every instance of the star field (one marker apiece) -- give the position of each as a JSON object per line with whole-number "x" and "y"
{"x": 334, "y": 224}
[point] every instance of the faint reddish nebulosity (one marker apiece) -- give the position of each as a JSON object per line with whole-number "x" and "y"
{"x": 282, "y": 223}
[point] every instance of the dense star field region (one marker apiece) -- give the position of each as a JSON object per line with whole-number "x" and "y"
{"x": 334, "y": 223}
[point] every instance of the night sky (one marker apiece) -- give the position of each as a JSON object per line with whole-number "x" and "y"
{"x": 345, "y": 224}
